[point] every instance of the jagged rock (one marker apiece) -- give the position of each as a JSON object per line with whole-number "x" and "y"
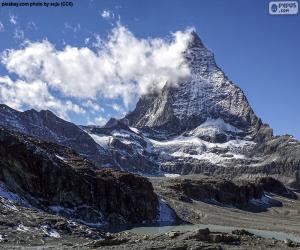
{"x": 272, "y": 185}
{"x": 46, "y": 126}
{"x": 214, "y": 189}
{"x": 52, "y": 176}
{"x": 199, "y": 234}
{"x": 208, "y": 93}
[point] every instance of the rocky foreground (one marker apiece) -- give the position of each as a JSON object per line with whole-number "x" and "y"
{"x": 175, "y": 240}
{"x": 198, "y": 239}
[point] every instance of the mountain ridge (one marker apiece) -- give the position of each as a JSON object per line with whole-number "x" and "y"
{"x": 203, "y": 125}
{"x": 208, "y": 93}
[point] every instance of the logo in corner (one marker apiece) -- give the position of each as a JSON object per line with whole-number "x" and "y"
{"x": 283, "y": 8}
{"x": 274, "y": 7}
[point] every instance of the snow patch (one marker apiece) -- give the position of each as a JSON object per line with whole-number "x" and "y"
{"x": 61, "y": 158}
{"x": 212, "y": 127}
{"x": 50, "y": 231}
{"x": 59, "y": 209}
{"x": 196, "y": 148}
{"x": 171, "y": 175}
{"x": 102, "y": 140}
{"x": 22, "y": 228}
{"x": 135, "y": 130}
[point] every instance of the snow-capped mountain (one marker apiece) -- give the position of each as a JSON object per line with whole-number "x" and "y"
{"x": 208, "y": 93}
{"x": 201, "y": 125}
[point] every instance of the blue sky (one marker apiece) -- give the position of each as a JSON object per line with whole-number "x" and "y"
{"x": 258, "y": 52}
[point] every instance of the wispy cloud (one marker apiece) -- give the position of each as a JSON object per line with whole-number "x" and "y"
{"x": 31, "y": 26}
{"x": 98, "y": 121}
{"x": 19, "y": 34}
{"x": 13, "y": 19}
{"x": 1, "y": 27}
{"x": 74, "y": 28}
{"x": 107, "y": 14}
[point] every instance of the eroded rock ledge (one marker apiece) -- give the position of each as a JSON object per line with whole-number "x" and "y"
{"x": 55, "y": 177}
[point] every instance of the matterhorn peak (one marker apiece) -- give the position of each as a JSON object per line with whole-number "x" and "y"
{"x": 195, "y": 41}
{"x": 208, "y": 93}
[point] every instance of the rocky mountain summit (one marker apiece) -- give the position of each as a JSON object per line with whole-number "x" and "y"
{"x": 207, "y": 94}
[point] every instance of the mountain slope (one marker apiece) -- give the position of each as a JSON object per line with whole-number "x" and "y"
{"x": 47, "y": 126}
{"x": 206, "y": 125}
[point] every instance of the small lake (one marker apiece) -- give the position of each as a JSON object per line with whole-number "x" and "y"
{"x": 150, "y": 230}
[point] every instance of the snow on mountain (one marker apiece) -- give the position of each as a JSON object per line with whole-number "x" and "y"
{"x": 203, "y": 124}
{"x": 212, "y": 127}
{"x": 207, "y": 94}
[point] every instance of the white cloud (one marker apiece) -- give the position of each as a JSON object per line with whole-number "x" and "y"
{"x": 75, "y": 28}
{"x": 98, "y": 121}
{"x": 31, "y": 26}
{"x": 19, "y": 34}
{"x": 35, "y": 94}
{"x": 123, "y": 66}
{"x": 94, "y": 107}
{"x": 117, "y": 108}
{"x": 1, "y": 27}
{"x": 107, "y": 14}
{"x": 13, "y": 19}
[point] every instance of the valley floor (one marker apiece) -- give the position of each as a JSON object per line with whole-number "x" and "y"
{"x": 258, "y": 215}
{"x": 19, "y": 227}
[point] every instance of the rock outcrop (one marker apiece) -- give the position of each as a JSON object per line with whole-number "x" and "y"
{"x": 212, "y": 190}
{"x": 274, "y": 186}
{"x": 57, "y": 179}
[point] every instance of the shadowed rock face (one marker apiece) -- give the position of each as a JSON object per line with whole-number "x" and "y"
{"x": 52, "y": 176}
{"x": 214, "y": 190}
{"x": 47, "y": 126}
{"x": 274, "y": 186}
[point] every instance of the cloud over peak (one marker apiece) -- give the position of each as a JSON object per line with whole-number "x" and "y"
{"x": 123, "y": 67}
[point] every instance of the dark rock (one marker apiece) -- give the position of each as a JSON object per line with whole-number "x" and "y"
{"x": 50, "y": 175}
{"x": 107, "y": 242}
{"x": 199, "y": 234}
{"x": 214, "y": 189}
{"x": 46, "y": 126}
{"x": 242, "y": 232}
{"x": 220, "y": 237}
{"x": 274, "y": 186}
